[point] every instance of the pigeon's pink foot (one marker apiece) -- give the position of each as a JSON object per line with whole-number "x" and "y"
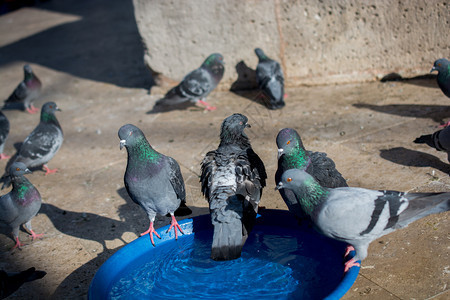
{"x": 207, "y": 106}
{"x": 348, "y": 250}
{"x": 4, "y": 156}
{"x": 48, "y": 170}
{"x": 175, "y": 226}
{"x": 151, "y": 231}
{"x": 35, "y": 236}
{"x": 18, "y": 244}
{"x": 351, "y": 263}
{"x": 285, "y": 95}
{"x": 445, "y": 125}
{"x": 32, "y": 109}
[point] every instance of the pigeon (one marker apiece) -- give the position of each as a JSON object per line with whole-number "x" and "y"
{"x": 11, "y": 282}
{"x": 442, "y": 65}
{"x": 359, "y": 216}
{"x": 293, "y": 155}
{"x": 153, "y": 180}
{"x": 440, "y": 140}
{"x": 25, "y": 93}
{"x": 42, "y": 143}
{"x": 194, "y": 87}
{"x": 21, "y": 204}
{"x": 270, "y": 80}
{"x": 232, "y": 179}
{"x": 4, "y": 131}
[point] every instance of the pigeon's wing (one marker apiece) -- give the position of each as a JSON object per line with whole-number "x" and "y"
{"x": 19, "y": 94}
{"x": 257, "y": 163}
{"x": 176, "y": 179}
{"x": 4, "y": 128}
{"x": 196, "y": 84}
{"x": 208, "y": 167}
{"x": 323, "y": 169}
{"x": 39, "y": 143}
{"x": 8, "y": 211}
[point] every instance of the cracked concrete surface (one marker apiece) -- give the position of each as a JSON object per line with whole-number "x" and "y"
{"x": 366, "y": 128}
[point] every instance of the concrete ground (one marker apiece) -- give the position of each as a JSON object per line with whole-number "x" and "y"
{"x": 95, "y": 74}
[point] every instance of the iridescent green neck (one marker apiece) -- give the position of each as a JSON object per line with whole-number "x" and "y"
{"x": 314, "y": 194}
{"x": 144, "y": 152}
{"x": 297, "y": 159}
{"x": 48, "y": 117}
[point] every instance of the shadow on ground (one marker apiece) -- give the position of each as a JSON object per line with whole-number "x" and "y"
{"x": 104, "y": 45}
{"x": 412, "y": 158}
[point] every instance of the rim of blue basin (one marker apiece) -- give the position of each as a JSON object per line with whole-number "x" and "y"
{"x": 104, "y": 278}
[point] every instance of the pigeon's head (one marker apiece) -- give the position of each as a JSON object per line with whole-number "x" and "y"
{"x": 261, "y": 55}
{"x": 288, "y": 141}
{"x": 18, "y": 169}
{"x": 128, "y": 135}
{"x": 293, "y": 179}
{"x": 27, "y": 69}
{"x": 215, "y": 63}
{"x": 50, "y": 108}
{"x": 233, "y": 126}
{"x": 441, "y": 65}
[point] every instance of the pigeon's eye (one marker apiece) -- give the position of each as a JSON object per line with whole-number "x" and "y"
{"x": 17, "y": 169}
{"x": 51, "y": 106}
{"x": 241, "y": 123}
{"x": 288, "y": 142}
{"x": 289, "y": 179}
{"x": 439, "y": 64}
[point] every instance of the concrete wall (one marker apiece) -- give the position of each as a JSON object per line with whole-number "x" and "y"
{"x": 316, "y": 42}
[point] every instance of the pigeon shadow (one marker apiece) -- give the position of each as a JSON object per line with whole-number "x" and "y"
{"x": 426, "y": 80}
{"x": 103, "y": 45}
{"x": 413, "y": 158}
{"x": 435, "y": 112}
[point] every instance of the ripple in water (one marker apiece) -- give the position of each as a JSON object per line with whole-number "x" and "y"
{"x": 272, "y": 266}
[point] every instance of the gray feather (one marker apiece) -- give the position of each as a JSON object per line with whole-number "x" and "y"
{"x": 270, "y": 79}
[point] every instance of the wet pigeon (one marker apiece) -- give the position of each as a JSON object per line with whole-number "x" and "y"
{"x": 270, "y": 80}
{"x": 152, "y": 180}
{"x": 42, "y": 143}
{"x": 195, "y": 86}
{"x": 4, "y": 131}
{"x": 358, "y": 216}
{"x": 440, "y": 140}
{"x": 232, "y": 179}
{"x": 293, "y": 155}
{"x": 25, "y": 93}
{"x": 21, "y": 204}
{"x": 11, "y": 282}
{"x": 442, "y": 65}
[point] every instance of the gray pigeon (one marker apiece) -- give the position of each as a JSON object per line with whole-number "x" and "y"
{"x": 232, "y": 179}
{"x": 21, "y": 204}
{"x": 25, "y": 93}
{"x": 440, "y": 140}
{"x": 359, "y": 216}
{"x": 4, "y": 132}
{"x": 42, "y": 143}
{"x": 293, "y": 155}
{"x": 442, "y": 65}
{"x": 11, "y": 282}
{"x": 195, "y": 86}
{"x": 152, "y": 180}
{"x": 270, "y": 80}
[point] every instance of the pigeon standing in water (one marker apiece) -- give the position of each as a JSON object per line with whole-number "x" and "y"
{"x": 25, "y": 93}
{"x": 440, "y": 140}
{"x": 442, "y": 65}
{"x": 194, "y": 87}
{"x": 4, "y": 131}
{"x": 270, "y": 80}
{"x": 11, "y": 282}
{"x": 152, "y": 180}
{"x": 293, "y": 155}
{"x": 21, "y": 204}
{"x": 358, "y": 216}
{"x": 42, "y": 143}
{"x": 232, "y": 179}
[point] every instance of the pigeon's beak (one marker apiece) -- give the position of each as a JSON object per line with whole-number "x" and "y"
{"x": 248, "y": 125}
{"x": 280, "y": 152}
{"x": 433, "y": 69}
{"x": 122, "y": 144}
{"x": 27, "y": 171}
{"x": 279, "y": 186}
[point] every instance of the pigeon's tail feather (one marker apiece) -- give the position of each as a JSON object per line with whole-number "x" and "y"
{"x": 439, "y": 140}
{"x": 423, "y": 204}
{"x": 6, "y": 181}
{"x": 226, "y": 216}
{"x": 182, "y": 210}
{"x": 425, "y": 139}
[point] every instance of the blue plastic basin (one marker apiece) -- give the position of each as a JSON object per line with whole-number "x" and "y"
{"x": 280, "y": 260}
